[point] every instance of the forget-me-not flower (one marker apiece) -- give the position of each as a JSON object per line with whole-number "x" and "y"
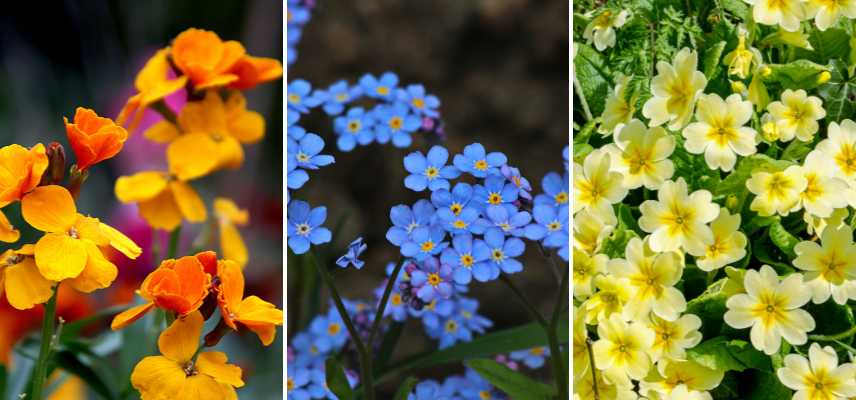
{"x": 299, "y": 96}
{"x": 477, "y": 163}
{"x": 306, "y": 152}
{"x": 304, "y": 226}
{"x": 379, "y": 88}
{"x": 555, "y": 189}
{"x": 395, "y": 122}
{"x": 432, "y": 279}
{"x": 356, "y": 126}
{"x": 506, "y": 217}
{"x": 420, "y": 102}
{"x": 532, "y": 358}
{"x": 501, "y": 253}
{"x": 405, "y": 220}
{"x": 462, "y": 258}
{"x": 429, "y": 171}
{"x": 513, "y": 176}
{"x": 337, "y": 96}
{"x": 496, "y": 190}
{"x": 424, "y": 241}
{"x": 355, "y": 249}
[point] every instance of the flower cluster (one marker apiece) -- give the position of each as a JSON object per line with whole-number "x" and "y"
{"x": 470, "y": 385}
{"x": 298, "y": 13}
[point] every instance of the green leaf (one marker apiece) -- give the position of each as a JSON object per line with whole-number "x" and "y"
{"x": 833, "y": 43}
{"x": 585, "y": 133}
{"x": 838, "y": 92}
{"x": 830, "y": 318}
{"x": 516, "y": 385}
{"x": 735, "y": 182}
{"x": 767, "y": 386}
{"x": 593, "y": 76}
{"x": 387, "y": 346}
{"x": 710, "y": 307}
{"x": 4, "y": 376}
{"x": 336, "y": 379}
{"x": 800, "y": 74}
{"x": 710, "y": 62}
{"x": 70, "y": 363}
{"x": 405, "y": 388}
{"x": 728, "y": 355}
{"x": 783, "y": 239}
{"x": 626, "y": 219}
{"x": 796, "y": 150}
{"x": 615, "y": 244}
{"x": 736, "y": 7}
{"x": 776, "y": 259}
{"x": 581, "y": 150}
{"x": 72, "y": 330}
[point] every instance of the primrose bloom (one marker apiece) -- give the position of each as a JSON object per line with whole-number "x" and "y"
{"x": 785, "y": 13}
{"x": 819, "y": 376}
{"x": 304, "y": 226}
{"x": 840, "y": 146}
{"x": 823, "y": 192}
{"x": 777, "y": 192}
{"x": 675, "y": 88}
{"x": 229, "y": 217}
{"x": 21, "y": 281}
{"x": 93, "y": 138}
{"x": 205, "y": 59}
{"x": 729, "y": 244}
{"x": 677, "y": 220}
{"x": 476, "y": 162}
{"x": 826, "y": 13}
{"x": 610, "y": 298}
{"x": 586, "y": 268}
{"x": 651, "y": 277}
{"x": 675, "y": 374}
{"x": 153, "y": 83}
{"x": 251, "y": 312}
{"x": 641, "y": 155}
{"x": 672, "y": 338}
{"x": 617, "y": 110}
{"x": 772, "y": 309}
{"x": 796, "y": 114}
{"x": 601, "y": 29}
{"x": 622, "y": 348}
{"x": 429, "y": 171}
{"x": 596, "y": 188}
{"x": 830, "y": 268}
{"x": 21, "y": 170}
{"x": 720, "y": 133}
{"x": 182, "y": 374}
{"x": 590, "y": 229}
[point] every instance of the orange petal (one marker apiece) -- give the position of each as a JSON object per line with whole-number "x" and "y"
{"x": 130, "y": 315}
{"x": 230, "y": 290}
{"x": 141, "y": 186}
{"x": 60, "y": 256}
{"x": 120, "y": 242}
{"x": 25, "y": 286}
{"x": 99, "y": 272}
{"x": 188, "y": 201}
{"x": 49, "y": 208}
{"x": 214, "y": 364}
{"x": 8, "y": 233}
{"x": 180, "y": 341}
{"x": 260, "y": 317}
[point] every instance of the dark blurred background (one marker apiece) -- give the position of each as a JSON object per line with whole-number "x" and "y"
{"x": 500, "y": 69}
{"x": 57, "y": 55}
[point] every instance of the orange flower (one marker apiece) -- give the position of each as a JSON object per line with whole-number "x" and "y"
{"x": 20, "y": 171}
{"x": 205, "y": 58}
{"x": 178, "y": 286}
{"x": 21, "y": 281}
{"x": 229, "y": 216}
{"x": 8, "y": 233}
{"x": 153, "y": 84}
{"x": 252, "y": 312}
{"x": 93, "y": 138}
{"x": 252, "y": 71}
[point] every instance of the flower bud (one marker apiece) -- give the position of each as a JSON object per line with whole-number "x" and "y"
{"x": 765, "y": 71}
{"x": 824, "y": 77}
{"x": 56, "y": 164}
{"x": 738, "y": 87}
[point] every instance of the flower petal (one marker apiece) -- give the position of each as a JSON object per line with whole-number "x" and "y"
{"x": 49, "y": 208}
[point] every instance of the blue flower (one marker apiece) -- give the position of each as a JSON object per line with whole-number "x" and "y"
{"x": 513, "y": 176}
{"x": 330, "y": 332}
{"x": 296, "y": 383}
{"x": 451, "y": 331}
{"x": 356, "y": 248}
{"x": 356, "y": 126}
{"x": 383, "y": 88}
{"x": 318, "y": 385}
{"x": 307, "y": 354}
{"x": 468, "y": 311}
{"x": 456, "y": 200}
{"x": 304, "y": 226}
{"x": 424, "y": 241}
{"x": 435, "y": 311}
{"x": 478, "y": 163}
{"x": 565, "y": 156}
{"x": 555, "y": 189}
{"x": 551, "y": 226}
{"x": 306, "y": 152}
{"x": 462, "y": 258}
{"x": 296, "y": 177}
{"x": 300, "y": 97}
{"x": 337, "y": 96}
{"x": 420, "y": 102}
{"x": 428, "y": 390}
{"x": 462, "y": 222}
{"x": 532, "y": 358}
{"x": 405, "y": 220}
{"x": 429, "y": 172}
{"x": 432, "y": 279}
{"x": 397, "y": 123}
{"x": 506, "y": 217}
{"x": 477, "y": 388}
{"x": 496, "y": 190}
{"x": 501, "y": 254}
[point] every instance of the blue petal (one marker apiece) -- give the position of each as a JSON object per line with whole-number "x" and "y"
{"x": 346, "y": 142}
{"x": 317, "y": 216}
{"x": 496, "y": 159}
{"x": 535, "y": 232}
{"x": 297, "y": 178}
{"x": 410, "y": 249}
{"x": 483, "y": 271}
{"x": 401, "y": 215}
{"x": 511, "y": 266}
{"x": 474, "y": 151}
{"x": 450, "y": 172}
{"x": 298, "y": 244}
{"x": 415, "y": 163}
{"x": 463, "y": 243}
{"x": 320, "y": 236}
{"x": 513, "y": 247}
{"x": 438, "y": 184}
{"x": 298, "y": 211}
{"x": 416, "y": 182}
{"x": 438, "y": 155}
{"x": 494, "y": 238}
{"x": 463, "y": 275}
{"x": 401, "y": 139}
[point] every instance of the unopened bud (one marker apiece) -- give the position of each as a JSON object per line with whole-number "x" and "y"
{"x": 731, "y": 202}
{"x": 738, "y": 87}
{"x": 56, "y": 164}
{"x": 824, "y": 77}
{"x": 765, "y": 71}
{"x": 770, "y": 131}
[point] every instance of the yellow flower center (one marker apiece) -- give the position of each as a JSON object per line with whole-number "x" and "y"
{"x": 835, "y": 271}
{"x": 334, "y": 329}
{"x": 494, "y": 198}
{"x": 460, "y": 224}
{"x": 466, "y": 260}
{"x": 456, "y": 208}
{"x": 497, "y": 255}
{"x": 536, "y": 351}
{"x": 778, "y": 186}
{"x": 813, "y": 189}
{"x": 396, "y": 299}
{"x": 418, "y": 102}
{"x": 484, "y": 395}
{"x": 466, "y": 314}
{"x": 427, "y": 246}
{"x": 451, "y": 326}
{"x": 289, "y": 384}
{"x": 480, "y": 165}
{"x": 341, "y": 97}
{"x": 561, "y": 197}
{"x": 716, "y": 248}
{"x": 395, "y": 123}
{"x": 382, "y": 90}
{"x": 293, "y": 98}
{"x": 431, "y": 173}
{"x": 303, "y": 229}
{"x": 302, "y": 157}
{"x": 354, "y": 126}
{"x": 554, "y": 226}
{"x": 846, "y": 158}
{"x": 722, "y": 133}
{"x": 434, "y": 279}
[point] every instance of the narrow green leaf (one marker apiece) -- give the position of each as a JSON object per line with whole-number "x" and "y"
{"x": 387, "y": 345}
{"x": 4, "y": 376}
{"x": 336, "y": 379}
{"x": 710, "y": 62}
{"x": 405, "y": 388}
{"x": 516, "y": 385}
{"x": 70, "y": 363}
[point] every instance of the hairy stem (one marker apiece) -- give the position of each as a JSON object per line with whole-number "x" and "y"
{"x": 582, "y": 98}
{"x": 837, "y": 336}
{"x": 593, "y": 370}
{"x": 48, "y": 323}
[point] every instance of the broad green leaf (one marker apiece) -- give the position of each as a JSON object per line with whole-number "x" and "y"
{"x": 830, "y": 318}
{"x": 405, "y": 388}
{"x": 585, "y": 133}
{"x": 766, "y": 386}
{"x": 783, "y": 239}
{"x": 837, "y": 94}
{"x": 800, "y": 74}
{"x": 336, "y": 379}
{"x": 615, "y": 244}
{"x": 710, "y": 62}
{"x": 833, "y": 43}
{"x": 710, "y": 307}
{"x": 581, "y": 150}
{"x": 593, "y": 76}
{"x": 736, "y": 7}
{"x": 516, "y": 385}
{"x": 626, "y": 219}
{"x": 728, "y": 355}
{"x": 796, "y": 150}
{"x": 770, "y": 255}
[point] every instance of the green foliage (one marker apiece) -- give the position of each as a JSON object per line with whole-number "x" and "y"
{"x": 514, "y": 384}
{"x": 800, "y": 74}
{"x": 725, "y": 355}
{"x": 405, "y": 388}
{"x": 839, "y": 92}
{"x": 336, "y": 379}
{"x": 593, "y": 76}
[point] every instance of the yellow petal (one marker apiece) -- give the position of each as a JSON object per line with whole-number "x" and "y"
{"x": 99, "y": 272}
{"x": 260, "y": 317}
{"x": 232, "y": 245}
{"x": 25, "y": 286}
{"x": 248, "y": 127}
{"x": 141, "y": 186}
{"x": 60, "y": 256}
{"x": 161, "y": 212}
{"x": 188, "y": 201}
{"x": 214, "y": 364}
{"x": 158, "y": 378}
{"x": 203, "y": 387}
{"x": 49, "y": 208}
{"x": 230, "y": 154}
{"x": 89, "y": 228}
{"x": 208, "y": 115}
{"x": 163, "y": 89}
{"x": 180, "y": 341}
{"x": 120, "y": 242}
{"x": 130, "y": 315}
{"x": 71, "y": 388}
{"x": 162, "y": 132}
{"x": 8, "y": 233}
{"x": 192, "y": 156}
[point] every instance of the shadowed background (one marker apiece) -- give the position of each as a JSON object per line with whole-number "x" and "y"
{"x": 500, "y": 69}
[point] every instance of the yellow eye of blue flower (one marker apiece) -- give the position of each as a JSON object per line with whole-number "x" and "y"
{"x": 354, "y": 126}
{"x": 341, "y": 97}
{"x": 431, "y": 172}
{"x": 382, "y": 90}
{"x": 456, "y": 208}
{"x": 302, "y": 157}
{"x": 561, "y": 197}
{"x": 418, "y": 102}
{"x": 333, "y": 329}
{"x": 460, "y": 224}
{"x": 451, "y": 326}
{"x": 497, "y": 255}
{"x": 480, "y": 165}
{"x": 427, "y": 246}
{"x": 434, "y": 279}
{"x": 554, "y": 226}
{"x": 494, "y": 198}
{"x": 395, "y": 123}
{"x": 293, "y": 98}
{"x": 466, "y": 260}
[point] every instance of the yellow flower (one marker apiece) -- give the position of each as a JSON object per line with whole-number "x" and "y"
{"x": 21, "y": 281}
{"x": 585, "y": 269}
{"x": 228, "y": 217}
{"x": 679, "y": 220}
{"x": 772, "y": 309}
{"x": 179, "y": 373}
{"x": 597, "y": 188}
{"x": 584, "y": 389}
{"x": 8, "y": 233}
{"x": 211, "y": 124}
{"x": 740, "y": 60}
{"x": 651, "y": 277}
{"x": 153, "y": 84}
{"x": 819, "y": 376}
{"x": 830, "y": 267}
{"x": 689, "y": 374}
{"x": 675, "y": 88}
{"x": 642, "y": 155}
{"x": 777, "y": 192}
{"x": 827, "y": 12}
{"x": 729, "y": 244}
{"x": 720, "y": 132}
{"x": 591, "y": 229}
{"x": 617, "y": 110}
{"x": 581, "y": 355}
{"x": 840, "y": 147}
{"x": 823, "y": 192}
{"x": 785, "y": 13}
{"x": 769, "y": 129}
{"x": 797, "y": 115}
{"x": 672, "y": 338}
{"x": 601, "y": 28}
{"x": 611, "y": 296}
{"x": 816, "y": 226}
{"x": 622, "y": 348}
{"x": 70, "y": 247}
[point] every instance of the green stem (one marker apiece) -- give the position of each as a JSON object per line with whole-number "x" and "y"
{"x": 174, "y": 238}
{"x": 530, "y": 308}
{"x": 553, "y": 338}
{"x": 582, "y": 97}
{"x": 593, "y": 369}
{"x": 366, "y": 378}
{"x": 162, "y": 109}
{"x": 384, "y": 299}
{"x": 838, "y": 336}
{"x": 41, "y": 370}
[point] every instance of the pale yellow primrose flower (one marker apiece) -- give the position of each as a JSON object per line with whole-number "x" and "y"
{"x": 824, "y": 192}
{"x": 720, "y": 132}
{"x": 819, "y": 377}
{"x": 617, "y": 110}
{"x": 682, "y": 393}
{"x": 680, "y": 373}
{"x": 672, "y": 338}
{"x": 840, "y": 146}
{"x": 675, "y": 90}
{"x": 641, "y": 155}
{"x": 585, "y": 269}
{"x": 584, "y": 390}
{"x": 796, "y": 115}
{"x": 772, "y": 309}
{"x": 776, "y": 192}
{"x": 740, "y": 60}
{"x": 601, "y": 29}
{"x": 785, "y": 13}
{"x": 651, "y": 277}
{"x": 831, "y": 266}
{"x": 827, "y": 12}
{"x": 611, "y": 296}
{"x": 581, "y": 355}
{"x": 622, "y": 348}
{"x": 679, "y": 220}
{"x": 597, "y": 188}
{"x": 816, "y": 226}
{"x": 591, "y": 229}
{"x": 729, "y": 244}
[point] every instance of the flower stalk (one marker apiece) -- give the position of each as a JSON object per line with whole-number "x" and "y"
{"x": 48, "y": 325}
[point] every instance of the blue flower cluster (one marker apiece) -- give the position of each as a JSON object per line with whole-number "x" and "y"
{"x": 469, "y": 386}
{"x": 298, "y": 13}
